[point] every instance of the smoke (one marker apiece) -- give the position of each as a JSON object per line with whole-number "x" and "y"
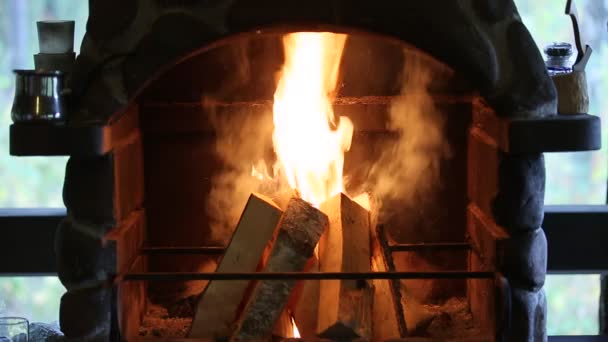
{"x": 242, "y": 125}
{"x": 407, "y": 172}
{"x": 243, "y": 138}
{"x": 408, "y": 169}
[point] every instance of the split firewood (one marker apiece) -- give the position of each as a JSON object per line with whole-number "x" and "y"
{"x": 305, "y": 303}
{"x": 388, "y": 319}
{"x": 346, "y": 309}
{"x": 388, "y": 316}
{"x": 299, "y": 231}
{"x": 218, "y": 305}
{"x": 284, "y": 328}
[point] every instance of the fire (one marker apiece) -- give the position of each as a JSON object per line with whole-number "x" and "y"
{"x": 364, "y": 201}
{"x": 308, "y": 139}
{"x": 295, "y": 333}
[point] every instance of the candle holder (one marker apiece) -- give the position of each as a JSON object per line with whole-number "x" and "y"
{"x": 39, "y": 97}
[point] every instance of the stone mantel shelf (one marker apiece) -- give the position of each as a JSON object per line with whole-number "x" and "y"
{"x": 558, "y": 133}
{"x": 52, "y": 140}
{"x": 28, "y": 140}
{"x": 561, "y": 133}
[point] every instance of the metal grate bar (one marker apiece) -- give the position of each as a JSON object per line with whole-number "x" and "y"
{"x": 208, "y": 250}
{"x": 415, "y": 247}
{"x": 395, "y": 283}
{"x": 173, "y": 276}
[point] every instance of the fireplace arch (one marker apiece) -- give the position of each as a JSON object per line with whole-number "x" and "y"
{"x": 124, "y": 60}
{"x": 483, "y": 39}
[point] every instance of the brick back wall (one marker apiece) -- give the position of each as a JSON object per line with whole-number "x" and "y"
{"x": 180, "y": 163}
{"x": 180, "y": 159}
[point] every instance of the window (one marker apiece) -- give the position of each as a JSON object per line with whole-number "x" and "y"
{"x": 573, "y": 304}
{"x": 35, "y": 298}
{"x": 575, "y": 178}
{"x": 32, "y": 181}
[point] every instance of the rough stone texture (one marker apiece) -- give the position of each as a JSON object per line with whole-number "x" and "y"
{"x": 122, "y": 13}
{"x": 533, "y": 90}
{"x": 171, "y": 36}
{"x": 82, "y": 258}
{"x": 525, "y": 259}
{"x": 494, "y": 10}
{"x": 528, "y": 317}
{"x": 503, "y": 307}
{"x": 519, "y": 205}
{"x": 107, "y": 80}
{"x": 43, "y": 332}
{"x": 484, "y": 40}
{"x": 85, "y": 315}
{"x": 88, "y": 190}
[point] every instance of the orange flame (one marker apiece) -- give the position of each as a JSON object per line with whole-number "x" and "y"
{"x": 308, "y": 140}
{"x": 295, "y": 333}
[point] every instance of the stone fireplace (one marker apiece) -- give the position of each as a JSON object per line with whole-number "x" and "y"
{"x": 167, "y": 95}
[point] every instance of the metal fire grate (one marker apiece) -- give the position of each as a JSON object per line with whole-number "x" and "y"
{"x": 388, "y": 249}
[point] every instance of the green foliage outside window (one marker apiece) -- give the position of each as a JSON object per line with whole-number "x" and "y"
{"x": 576, "y": 178}
{"x": 32, "y": 181}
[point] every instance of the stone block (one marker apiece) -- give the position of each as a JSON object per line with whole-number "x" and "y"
{"x": 85, "y": 314}
{"x": 528, "y": 316}
{"x": 88, "y": 190}
{"x": 82, "y": 258}
{"x": 519, "y": 204}
{"x": 525, "y": 259}
{"x": 121, "y": 12}
{"x": 493, "y": 11}
{"x": 170, "y": 37}
{"x": 86, "y": 64}
{"x": 532, "y": 92}
{"x": 100, "y": 97}
{"x": 44, "y": 332}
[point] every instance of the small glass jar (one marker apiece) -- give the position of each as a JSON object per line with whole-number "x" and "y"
{"x": 14, "y": 329}
{"x": 558, "y": 58}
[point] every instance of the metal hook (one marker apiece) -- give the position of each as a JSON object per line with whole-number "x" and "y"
{"x": 583, "y": 55}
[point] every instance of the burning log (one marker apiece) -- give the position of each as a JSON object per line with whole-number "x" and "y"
{"x": 299, "y": 231}
{"x": 284, "y": 328}
{"x": 218, "y": 305}
{"x": 305, "y": 303}
{"x": 346, "y": 311}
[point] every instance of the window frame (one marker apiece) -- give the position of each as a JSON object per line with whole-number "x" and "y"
{"x": 28, "y": 239}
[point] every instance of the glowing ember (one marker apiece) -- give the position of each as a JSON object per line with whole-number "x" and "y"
{"x": 308, "y": 140}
